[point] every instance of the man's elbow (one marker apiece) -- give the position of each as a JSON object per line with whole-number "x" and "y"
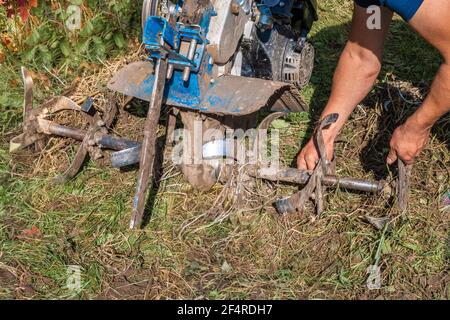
{"x": 365, "y": 61}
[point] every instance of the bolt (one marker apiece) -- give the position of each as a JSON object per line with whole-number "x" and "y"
{"x": 235, "y": 8}
{"x": 170, "y": 71}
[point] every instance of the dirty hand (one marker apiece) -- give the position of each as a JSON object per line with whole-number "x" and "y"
{"x": 309, "y": 156}
{"x": 407, "y": 142}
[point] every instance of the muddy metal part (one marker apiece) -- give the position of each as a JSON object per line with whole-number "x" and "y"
{"x": 148, "y": 148}
{"x": 137, "y": 80}
{"x": 324, "y": 176}
{"x": 316, "y": 180}
{"x": 403, "y": 182}
{"x": 37, "y": 127}
{"x": 186, "y": 84}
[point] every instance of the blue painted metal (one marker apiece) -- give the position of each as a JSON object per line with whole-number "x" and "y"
{"x": 157, "y": 31}
{"x": 283, "y": 8}
{"x": 227, "y": 95}
{"x": 162, "y": 37}
{"x": 265, "y": 21}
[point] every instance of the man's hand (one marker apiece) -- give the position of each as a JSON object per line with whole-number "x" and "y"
{"x": 309, "y": 156}
{"x": 407, "y": 142}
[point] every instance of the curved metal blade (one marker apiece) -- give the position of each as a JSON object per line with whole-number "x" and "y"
{"x": 320, "y": 143}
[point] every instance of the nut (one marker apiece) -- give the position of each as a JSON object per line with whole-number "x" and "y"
{"x": 235, "y": 8}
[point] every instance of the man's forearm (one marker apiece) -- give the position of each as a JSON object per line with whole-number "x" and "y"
{"x": 437, "y": 102}
{"x": 355, "y": 75}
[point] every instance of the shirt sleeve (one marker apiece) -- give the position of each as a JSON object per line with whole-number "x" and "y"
{"x": 367, "y": 3}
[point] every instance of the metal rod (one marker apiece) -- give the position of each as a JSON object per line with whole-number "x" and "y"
{"x": 190, "y": 56}
{"x": 67, "y": 132}
{"x": 353, "y": 184}
{"x": 291, "y": 175}
{"x": 148, "y": 149}
{"x": 115, "y": 143}
{"x": 106, "y": 141}
{"x": 170, "y": 72}
{"x": 403, "y": 182}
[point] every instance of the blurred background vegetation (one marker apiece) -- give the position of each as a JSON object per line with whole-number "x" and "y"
{"x": 36, "y": 32}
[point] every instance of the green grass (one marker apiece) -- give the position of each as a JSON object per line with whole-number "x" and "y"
{"x": 249, "y": 255}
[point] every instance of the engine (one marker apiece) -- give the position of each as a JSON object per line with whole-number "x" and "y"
{"x": 264, "y": 39}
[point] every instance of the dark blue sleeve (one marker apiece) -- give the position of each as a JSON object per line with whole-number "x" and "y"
{"x": 406, "y": 8}
{"x": 367, "y": 3}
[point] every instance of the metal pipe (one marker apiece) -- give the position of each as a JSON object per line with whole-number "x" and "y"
{"x": 190, "y": 56}
{"x": 105, "y": 140}
{"x": 169, "y": 71}
{"x": 115, "y": 143}
{"x": 292, "y": 175}
{"x": 354, "y": 184}
{"x": 67, "y": 132}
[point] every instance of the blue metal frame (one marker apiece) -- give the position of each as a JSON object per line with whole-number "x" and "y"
{"x": 229, "y": 95}
{"x": 162, "y": 38}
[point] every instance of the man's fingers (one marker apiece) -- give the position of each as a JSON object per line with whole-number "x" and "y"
{"x": 301, "y": 163}
{"x": 311, "y": 162}
{"x": 392, "y": 157}
{"x": 407, "y": 159}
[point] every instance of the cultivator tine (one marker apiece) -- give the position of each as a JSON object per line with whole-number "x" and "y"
{"x": 36, "y": 128}
{"x": 171, "y": 122}
{"x": 318, "y": 137}
{"x": 30, "y": 136}
{"x": 403, "y": 182}
{"x": 297, "y": 202}
{"x": 78, "y": 160}
{"x": 126, "y": 157}
{"x": 74, "y": 167}
{"x": 22, "y": 141}
{"x": 148, "y": 149}
{"x": 28, "y": 93}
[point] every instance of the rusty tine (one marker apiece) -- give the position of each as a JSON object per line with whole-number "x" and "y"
{"x": 403, "y": 183}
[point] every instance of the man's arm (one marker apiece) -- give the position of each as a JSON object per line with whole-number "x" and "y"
{"x": 356, "y": 72}
{"x": 431, "y": 21}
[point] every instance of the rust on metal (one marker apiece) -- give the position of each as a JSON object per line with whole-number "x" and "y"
{"x": 148, "y": 149}
{"x": 403, "y": 182}
{"x": 297, "y": 202}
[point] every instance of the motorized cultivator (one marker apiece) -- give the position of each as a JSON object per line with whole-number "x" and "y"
{"x": 214, "y": 65}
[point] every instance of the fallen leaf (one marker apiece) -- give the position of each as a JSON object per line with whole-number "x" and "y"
{"x": 24, "y": 13}
{"x": 8, "y": 43}
{"x": 32, "y": 233}
{"x": 13, "y": 83}
{"x": 42, "y": 78}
